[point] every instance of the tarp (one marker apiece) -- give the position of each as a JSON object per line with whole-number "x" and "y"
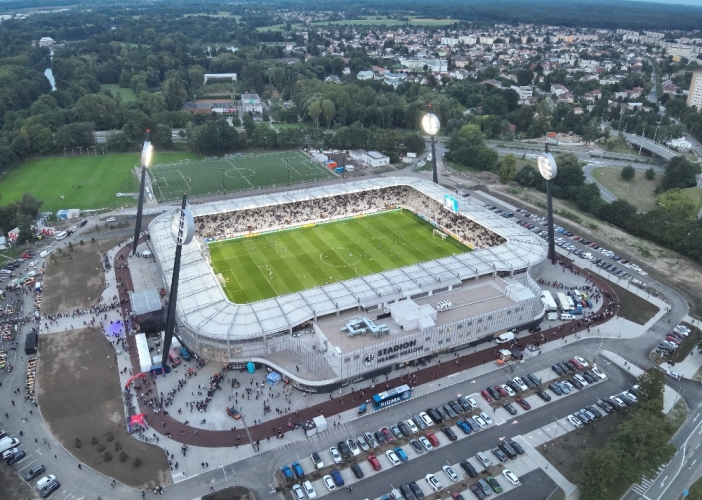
{"x": 139, "y": 419}
{"x": 250, "y": 367}
{"x": 272, "y": 378}
{"x": 132, "y": 379}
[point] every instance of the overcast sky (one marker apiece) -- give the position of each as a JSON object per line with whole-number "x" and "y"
{"x": 696, "y": 3}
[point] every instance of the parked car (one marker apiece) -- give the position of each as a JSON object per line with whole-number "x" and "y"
{"x": 511, "y": 477}
{"x": 448, "y": 432}
{"x": 523, "y": 403}
{"x": 468, "y": 467}
{"x": 510, "y": 409}
{"x": 401, "y": 454}
{"x": 433, "y": 439}
{"x": 356, "y": 469}
{"x": 353, "y": 447}
{"x": 501, "y": 456}
{"x": 34, "y": 472}
{"x": 516, "y": 446}
{"x": 336, "y": 456}
{"x": 392, "y": 457}
{"x": 374, "y": 462}
{"x": 494, "y": 484}
{"x": 450, "y": 473}
{"x": 417, "y": 446}
{"x": 486, "y": 418}
{"x": 543, "y": 395}
{"x": 336, "y": 476}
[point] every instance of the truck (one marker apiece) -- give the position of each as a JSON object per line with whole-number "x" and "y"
{"x": 547, "y": 300}
{"x": 505, "y": 337}
{"x": 185, "y": 354}
{"x": 563, "y": 302}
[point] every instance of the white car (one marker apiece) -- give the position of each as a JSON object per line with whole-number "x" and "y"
{"x": 45, "y": 480}
{"x": 581, "y": 379}
{"x": 508, "y": 390}
{"x": 570, "y": 386}
{"x": 486, "y": 418}
{"x": 427, "y": 419}
{"x": 450, "y": 473}
{"x": 111, "y": 219}
{"x": 335, "y": 455}
{"x": 480, "y": 421}
{"x": 682, "y": 330}
{"x": 309, "y": 489}
{"x": 353, "y": 447}
{"x": 297, "y": 491}
{"x": 425, "y": 442}
{"x": 33, "y": 263}
{"x": 631, "y": 396}
{"x": 392, "y": 457}
{"x": 520, "y": 383}
{"x": 675, "y": 375}
{"x": 413, "y": 427}
{"x": 581, "y": 360}
{"x": 433, "y": 482}
{"x": 576, "y": 423}
{"x": 329, "y": 482}
{"x": 599, "y": 373}
{"x": 473, "y": 403}
{"x": 511, "y": 477}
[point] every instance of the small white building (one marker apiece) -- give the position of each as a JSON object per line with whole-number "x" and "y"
{"x": 375, "y": 159}
{"x": 365, "y": 75}
{"x": 46, "y": 41}
{"x": 251, "y": 103}
{"x": 411, "y": 316}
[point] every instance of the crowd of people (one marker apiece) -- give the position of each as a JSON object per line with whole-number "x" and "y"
{"x": 235, "y": 223}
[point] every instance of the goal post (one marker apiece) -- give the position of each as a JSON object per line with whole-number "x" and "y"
{"x": 439, "y": 233}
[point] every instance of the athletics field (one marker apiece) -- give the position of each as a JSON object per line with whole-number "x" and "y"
{"x": 235, "y": 173}
{"x": 260, "y": 267}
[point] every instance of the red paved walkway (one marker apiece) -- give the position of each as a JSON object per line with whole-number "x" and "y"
{"x": 214, "y": 439}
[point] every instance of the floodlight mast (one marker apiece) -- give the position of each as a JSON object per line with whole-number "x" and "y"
{"x": 548, "y": 170}
{"x": 146, "y": 155}
{"x": 431, "y": 126}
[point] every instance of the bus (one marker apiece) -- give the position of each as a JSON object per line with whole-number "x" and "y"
{"x": 563, "y": 302}
{"x": 391, "y": 396}
{"x": 548, "y": 301}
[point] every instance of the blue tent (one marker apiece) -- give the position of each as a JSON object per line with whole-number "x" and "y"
{"x": 250, "y": 367}
{"x": 272, "y": 378}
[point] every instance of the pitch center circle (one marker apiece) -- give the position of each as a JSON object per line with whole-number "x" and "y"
{"x": 340, "y": 257}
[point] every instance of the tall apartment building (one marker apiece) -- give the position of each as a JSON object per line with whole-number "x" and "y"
{"x": 694, "y": 97}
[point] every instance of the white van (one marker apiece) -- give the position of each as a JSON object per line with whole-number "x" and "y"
{"x": 349, "y": 168}
{"x": 7, "y": 442}
{"x": 61, "y": 235}
{"x": 505, "y": 337}
{"x": 567, "y": 317}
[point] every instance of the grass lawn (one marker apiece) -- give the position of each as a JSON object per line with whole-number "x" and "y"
{"x": 247, "y": 172}
{"x": 638, "y": 191}
{"x": 265, "y": 266}
{"x": 633, "y": 307}
{"x": 128, "y": 95}
{"x": 84, "y": 182}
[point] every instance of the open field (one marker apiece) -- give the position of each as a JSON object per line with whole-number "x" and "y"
{"x": 84, "y": 182}
{"x": 235, "y": 173}
{"x": 269, "y": 265}
{"x": 80, "y": 397}
{"x": 633, "y": 307}
{"x": 127, "y": 95}
{"x": 638, "y": 191}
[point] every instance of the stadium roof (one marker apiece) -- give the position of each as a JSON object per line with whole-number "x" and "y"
{"x": 204, "y": 308}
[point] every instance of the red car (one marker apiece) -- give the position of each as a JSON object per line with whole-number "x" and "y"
{"x": 388, "y": 435}
{"x": 374, "y": 462}
{"x": 502, "y": 392}
{"x": 432, "y": 439}
{"x": 672, "y": 339}
{"x": 523, "y": 403}
{"x": 577, "y": 363}
{"x": 485, "y": 394}
{"x": 27, "y": 256}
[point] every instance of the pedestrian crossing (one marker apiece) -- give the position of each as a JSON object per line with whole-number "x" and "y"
{"x": 642, "y": 487}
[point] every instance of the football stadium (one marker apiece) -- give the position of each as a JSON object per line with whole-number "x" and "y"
{"x": 340, "y": 283}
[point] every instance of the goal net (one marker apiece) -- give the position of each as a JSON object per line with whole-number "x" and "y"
{"x": 439, "y": 233}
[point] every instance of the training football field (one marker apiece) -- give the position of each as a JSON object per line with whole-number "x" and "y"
{"x": 265, "y": 266}
{"x": 234, "y": 173}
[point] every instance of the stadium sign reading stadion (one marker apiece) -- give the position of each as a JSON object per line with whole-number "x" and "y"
{"x": 397, "y": 351}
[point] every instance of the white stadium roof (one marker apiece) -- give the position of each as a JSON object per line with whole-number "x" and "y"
{"x": 204, "y": 308}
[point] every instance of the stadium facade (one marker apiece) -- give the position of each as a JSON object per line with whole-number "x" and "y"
{"x": 297, "y": 334}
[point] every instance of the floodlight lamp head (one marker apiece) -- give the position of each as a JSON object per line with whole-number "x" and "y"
{"x": 182, "y": 226}
{"x": 146, "y": 154}
{"x": 431, "y": 124}
{"x": 547, "y": 166}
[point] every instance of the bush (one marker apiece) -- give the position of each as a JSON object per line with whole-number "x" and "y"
{"x": 628, "y": 173}
{"x": 650, "y": 174}
{"x": 101, "y": 447}
{"x": 138, "y": 462}
{"x": 81, "y": 242}
{"x": 79, "y": 443}
{"x": 94, "y": 440}
{"x": 123, "y": 457}
{"x": 118, "y": 446}
{"x": 107, "y": 456}
{"x": 110, "y": 436}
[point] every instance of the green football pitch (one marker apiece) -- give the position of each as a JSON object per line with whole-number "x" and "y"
{"x": 235, "y": 173}
{"x": 260, "y": 267}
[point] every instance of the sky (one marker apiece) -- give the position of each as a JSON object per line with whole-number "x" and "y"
{"x": 696, "y": 3}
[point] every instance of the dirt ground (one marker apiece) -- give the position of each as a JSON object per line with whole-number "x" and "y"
{"x": 80, "y": 398}
{"x": 75, "y": 280}
{"x": 682, "y": 273}
{"x": 231, "y": 493}
{"x": 14, "y": 486}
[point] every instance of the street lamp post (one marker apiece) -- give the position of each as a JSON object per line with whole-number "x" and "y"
{"x": 182, "y": 232}
{"x": 548, "y": 170}
{"x": 431, "y": 125}
{"x": 146, "y": 154}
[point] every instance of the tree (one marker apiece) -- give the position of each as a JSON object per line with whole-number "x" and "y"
{"x": 315, "y": 109}
{"x": 676, "y": 205}
{"x": 599, "y": 470}
{"x": 174, "y": 93}
{"x": 97, "y": 109}
{"x": 75, "y": 135}
{"x": 29, "y": 205}
{"x": 249, "y": 124}
{"x": 528, "y": 176}
{"x": 628, "y": 173}
{"x": 525, "y": 77}
{"x": 507, "y": 168}
{"x": 570, "y": 171}
{"x": 650, "y": 174}
{"x": 680, "y": 173}
{"x": 329, "y": 110}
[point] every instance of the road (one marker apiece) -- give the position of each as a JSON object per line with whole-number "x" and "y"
{"x": 653, "y": 147}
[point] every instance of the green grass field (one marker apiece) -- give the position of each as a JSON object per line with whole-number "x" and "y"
{"x": 101, "y": 177}
{"x": 238, "y": 173}
{"x": 269, "y": 265}
{"x": 127, "y": 95}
